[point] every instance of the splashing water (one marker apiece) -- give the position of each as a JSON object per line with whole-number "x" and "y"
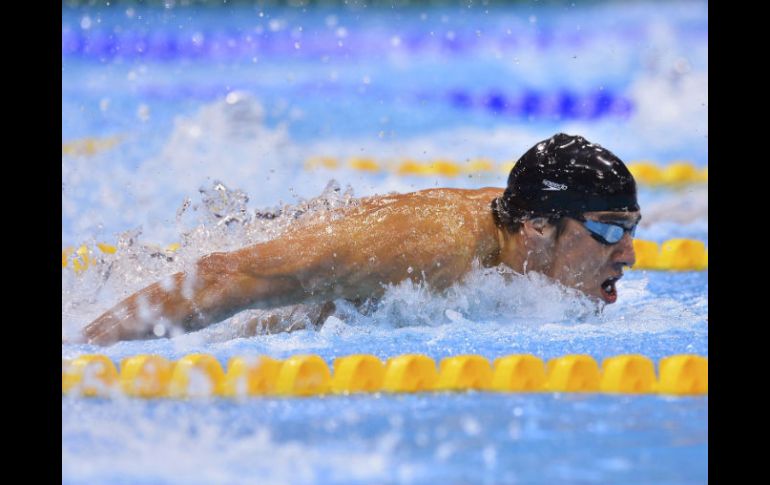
{"x": 492, "y": 303}
{"x": 220, "y": 222}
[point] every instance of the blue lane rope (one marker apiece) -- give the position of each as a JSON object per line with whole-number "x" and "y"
{"x": 104, "y": 43}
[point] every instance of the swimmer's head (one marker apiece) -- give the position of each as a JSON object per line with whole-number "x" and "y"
{"x": 571, "y": 205}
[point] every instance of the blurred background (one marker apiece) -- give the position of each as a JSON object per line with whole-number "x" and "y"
{"x": 173, "y": 94}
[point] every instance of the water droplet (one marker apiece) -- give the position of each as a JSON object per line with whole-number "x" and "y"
{"x": 143, "y": 112}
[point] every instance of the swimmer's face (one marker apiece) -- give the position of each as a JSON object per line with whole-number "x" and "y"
{"x": 580, "y": 261}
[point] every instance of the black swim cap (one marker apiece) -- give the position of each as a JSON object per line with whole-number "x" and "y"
{"x": 566, "y": 175}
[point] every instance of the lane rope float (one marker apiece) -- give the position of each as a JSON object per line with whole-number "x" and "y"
{"x": 201, "y": 375}
{"x": 88, "y": 147}
{"x": 672, "y": 255}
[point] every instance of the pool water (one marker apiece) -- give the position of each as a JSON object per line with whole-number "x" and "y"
{"x": 216, "y": 111}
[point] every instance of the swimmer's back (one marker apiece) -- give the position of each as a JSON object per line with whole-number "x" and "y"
{"x": 385, "y": 239}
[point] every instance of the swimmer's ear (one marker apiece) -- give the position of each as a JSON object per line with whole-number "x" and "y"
{"x": 539, "y": 223}
{"x": 537, "y": 227}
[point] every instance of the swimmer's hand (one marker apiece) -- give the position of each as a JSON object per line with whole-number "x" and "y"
{"x": 130, "y": 319}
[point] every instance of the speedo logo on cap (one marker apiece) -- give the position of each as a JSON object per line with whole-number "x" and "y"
{"x": 553, "y": 185}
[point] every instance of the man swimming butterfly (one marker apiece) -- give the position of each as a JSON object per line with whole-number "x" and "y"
{"x": 569, "y": 212}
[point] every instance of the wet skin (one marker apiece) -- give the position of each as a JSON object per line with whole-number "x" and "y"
{"x": 575, "y": 258}
{"x": 431, "y": 235}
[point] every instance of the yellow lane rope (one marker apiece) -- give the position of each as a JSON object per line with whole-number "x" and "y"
{"x": 88, "y": 147}
{"x": 201, "y": 375}
{"x": 645, "y": 173}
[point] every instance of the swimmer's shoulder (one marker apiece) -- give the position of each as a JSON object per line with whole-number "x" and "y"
{"x": 462, "y": 193}
{"x": 441, "y": 202}
{"x": 470, "y": 199}
{"x": 439, "y": 195}
{"x": 484, "y": 193}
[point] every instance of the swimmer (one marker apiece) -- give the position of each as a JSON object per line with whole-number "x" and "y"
{"x": 569, "y": 212}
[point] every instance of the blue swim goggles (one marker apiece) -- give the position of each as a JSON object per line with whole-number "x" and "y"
{"x": 606, "y": 232}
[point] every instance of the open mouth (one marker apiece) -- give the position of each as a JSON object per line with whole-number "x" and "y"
{"x": 609, "y": 292}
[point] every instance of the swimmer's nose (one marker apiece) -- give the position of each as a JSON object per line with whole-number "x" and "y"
{"x": 624, "y": 252}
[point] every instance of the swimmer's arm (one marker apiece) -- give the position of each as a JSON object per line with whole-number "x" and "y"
{"x": 351, "y": 258}
{"x": 265, "y": 275}
{"x": 298, "y": 267}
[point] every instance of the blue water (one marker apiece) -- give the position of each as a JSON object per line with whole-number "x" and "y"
{"x": 451, "y": 438}
{"x": 244, "y": 96}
